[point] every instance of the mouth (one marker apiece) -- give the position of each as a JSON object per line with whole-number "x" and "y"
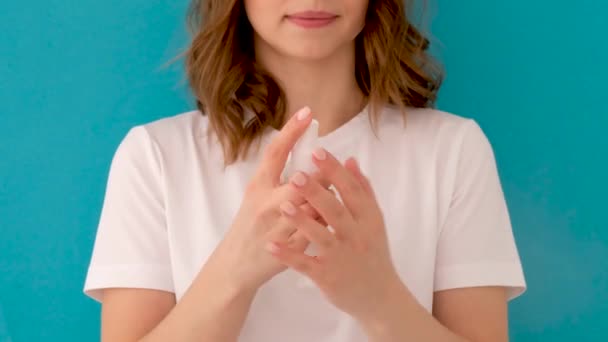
{"x": 312, "y": 19}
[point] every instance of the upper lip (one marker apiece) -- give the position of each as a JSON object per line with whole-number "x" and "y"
{"x": 312, "y": 15}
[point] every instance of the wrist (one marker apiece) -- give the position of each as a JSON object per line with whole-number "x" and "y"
{"x": 221, "y": 278}
{"x": 393, "y": 304}
{"x": 226, "y": 291}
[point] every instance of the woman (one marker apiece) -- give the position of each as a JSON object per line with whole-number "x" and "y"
{"x": 398, "y": 231}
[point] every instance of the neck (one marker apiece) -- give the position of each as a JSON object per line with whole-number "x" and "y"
{"x": 328, "y": 86}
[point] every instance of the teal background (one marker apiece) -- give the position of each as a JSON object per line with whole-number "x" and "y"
{"x": 75, "y": 75}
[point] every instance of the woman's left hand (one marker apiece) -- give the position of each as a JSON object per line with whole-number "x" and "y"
{"x": 353, "y": 267}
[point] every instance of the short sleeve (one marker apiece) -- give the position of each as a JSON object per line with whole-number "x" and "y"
{"x": 476, "y": 245}
{"x": 131, "y": 246}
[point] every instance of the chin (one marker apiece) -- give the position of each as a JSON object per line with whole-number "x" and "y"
{"x": 311, "y": 53}
{"x": 314, "y": 49}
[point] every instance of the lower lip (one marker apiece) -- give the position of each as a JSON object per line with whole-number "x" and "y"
{"x": 311, "y": 23}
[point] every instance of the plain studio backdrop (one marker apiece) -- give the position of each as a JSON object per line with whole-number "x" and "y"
{"x": 75, "y": 75}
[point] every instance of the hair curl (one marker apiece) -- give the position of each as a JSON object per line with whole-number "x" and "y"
{"x": 392, "y": 66}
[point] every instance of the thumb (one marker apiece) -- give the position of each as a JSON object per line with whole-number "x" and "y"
{"x": 351, "y": 165}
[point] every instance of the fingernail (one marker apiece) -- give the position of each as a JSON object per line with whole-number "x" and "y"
{"x": 319, "y": 153}
{"x": 288, "y": 208}
{"x": 303, "y": 113}
{"x": 298, "y": 179}
{"x": 273, "y": 248}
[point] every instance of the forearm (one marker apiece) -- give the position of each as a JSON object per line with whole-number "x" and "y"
{"x": 402, "y": 318}
{"x": 213, "y": 309}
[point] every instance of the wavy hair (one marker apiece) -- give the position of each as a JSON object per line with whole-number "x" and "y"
{"x": 392, "y": 66}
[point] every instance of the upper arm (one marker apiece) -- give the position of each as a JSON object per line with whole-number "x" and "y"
{"x": 130, "y": 270}
{"x": 128, "y": 314}
{"x": 475, "y": 313}
{"x": 477, "y": 267}
{"x": 476, "y": 245}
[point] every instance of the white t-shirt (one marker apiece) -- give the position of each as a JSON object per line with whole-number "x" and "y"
{"x": 169, "y": 201}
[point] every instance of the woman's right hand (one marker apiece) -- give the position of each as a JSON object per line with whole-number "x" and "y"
{"x": 240, "y": 257}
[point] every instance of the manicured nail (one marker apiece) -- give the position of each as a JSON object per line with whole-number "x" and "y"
{"x": 319, "y": 153}
{"x": 288, "y": 208}
{"x": 298, "y": 179}
{"x": 273, "y": 248}
{"x": 303, "y": 113}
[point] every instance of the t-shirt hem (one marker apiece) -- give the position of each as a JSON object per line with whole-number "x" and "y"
{"x": 153, "y": 277}
{"x": 507, "y": 274}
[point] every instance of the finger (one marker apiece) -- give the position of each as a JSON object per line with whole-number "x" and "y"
{"x": 309, "y": 211}
{"x": 286, "y": 193}
{"x": 316, "y": 176}
{"x": 276, "y": 153}
{"x": 324, "y": 183}
{"x": 313, "y": 213}
{"x": 350, "y": 189}
{"x": 289, "y": 193}
{"x": 321, "y": 179}
{"x": 282, "y": 230}
{"x": 298, "y": 242}
{"x": 351, "y": 165}
{"x": 324, "y": 202}
{"x": 300, "y": 262}
{"x": 286, "y": 232}
{"x": 314, "y": 232}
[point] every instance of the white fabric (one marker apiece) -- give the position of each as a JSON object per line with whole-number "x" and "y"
{"x": 169, "y": 201}
{"x": 300, "y": 156}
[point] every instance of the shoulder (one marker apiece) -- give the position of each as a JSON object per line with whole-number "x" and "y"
{"x": 433, "y": 127}
{"x": 434, "y": 118}
{"x": 450, "y": 144}
{"x": 179, "y": 133}
{"x": 173, "y": 139}
{"x": 175, "y": 127}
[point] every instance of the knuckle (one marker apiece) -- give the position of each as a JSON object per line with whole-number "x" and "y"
{"x": 331, "y": 173}
{"x": 352, "y": 188}
{"x": 341, "y": 213}
{"x": 361, "y": 246}
{"x": 259, "y": 216}
{"x": 313, "y": 191}
{"x": 265, "y": 212}
{"x": 293, "y": 195}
